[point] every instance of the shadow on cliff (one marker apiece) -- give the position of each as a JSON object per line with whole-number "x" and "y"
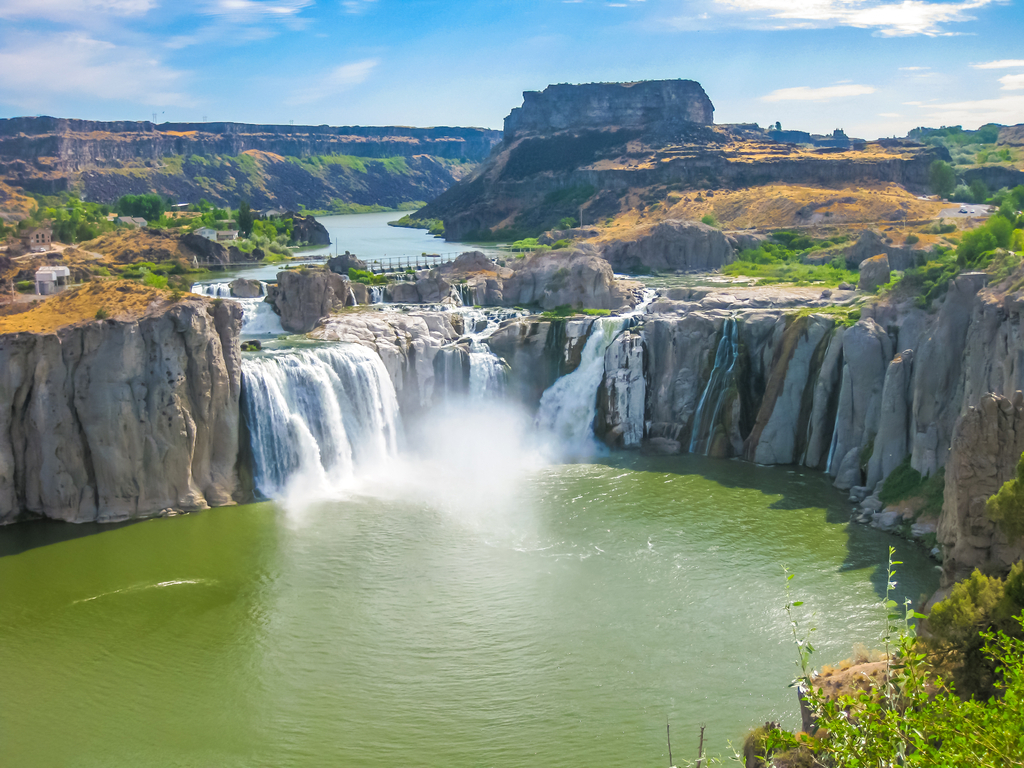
{"x": 799, "y": 488}
{"x": 30, "y": 534}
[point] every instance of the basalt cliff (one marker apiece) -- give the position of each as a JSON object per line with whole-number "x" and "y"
{"x": 279, "y": 166}
{"x": 606, "y": 150}
{"x": 126, "y": 417}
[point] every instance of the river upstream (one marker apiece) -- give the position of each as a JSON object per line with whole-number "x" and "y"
{"x": 444, "y": 593}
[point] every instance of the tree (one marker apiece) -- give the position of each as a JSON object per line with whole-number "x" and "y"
{"x": 941, "y": 178}
{"x": 778, "y": 125}
{"x": 979, "y": 191}
{"x": 245, "y": 218}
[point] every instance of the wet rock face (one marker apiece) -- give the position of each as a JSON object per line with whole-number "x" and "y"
{"x": 246, "y": 289}
{"x": 115, "y": 420}
{"x": 671, "y": 245}
{"x": 987, "y": 444}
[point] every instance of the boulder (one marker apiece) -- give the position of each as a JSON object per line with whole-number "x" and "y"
{"x": 246, "y": 289}
{"x": 402, "y": 292}
{"x": 304, "y": 297}
{"x": 670, "y": 245}
{"x": 342, "y": 263}
{"x": 307, "y": 230}
{"x": 578, "y": 279}
{"x": 874, "y": 272}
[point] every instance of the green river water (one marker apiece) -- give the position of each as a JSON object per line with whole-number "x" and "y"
{"x": 557, "y": 620}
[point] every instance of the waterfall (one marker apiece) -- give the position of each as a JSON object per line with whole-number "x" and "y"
{"x": 376, "y": 294}
{"x": 568, "y": 407}
{"x": 465, "y": 294}
{"x": 259, "y": 318}
{"x": 713, "y": 398}
{"x": 314, "y": 415}
{"x": 487, "y": 373}
{"x": 352, "y": 297}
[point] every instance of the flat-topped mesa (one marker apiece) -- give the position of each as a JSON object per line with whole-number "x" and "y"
{"x": 647, "y": 104}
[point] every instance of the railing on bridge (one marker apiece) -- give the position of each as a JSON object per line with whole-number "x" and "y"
{"x": 386, "y": 264}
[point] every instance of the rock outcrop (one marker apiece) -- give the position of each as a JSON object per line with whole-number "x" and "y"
{"x": 987, "y": 444}
{"x": 307, "y": 230}
{"x": 112, "y": 420}
{"x": 659, "y": 105}
{"x": 342, "y": 263}
{"x": 558, "y": 278}
{"x": 670, "y": 246}
{"x": 304, "y": 297}
{"x": 874, "y": 272}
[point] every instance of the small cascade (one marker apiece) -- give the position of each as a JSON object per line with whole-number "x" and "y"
{"x": 487, "y": 373}
{"x": 259, "y": 318}
{"x": 213, "y": 290}
{"x": 352, "y": 301}
{"x": 376, "y": 294}
{"x": 713, "y": 398}
{"x": 314, "y": 415}
{"x": 568, "y": 407}
{"x": 465, "y": 294}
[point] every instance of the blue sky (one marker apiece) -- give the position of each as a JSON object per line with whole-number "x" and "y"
{"x": 871, "y": 67}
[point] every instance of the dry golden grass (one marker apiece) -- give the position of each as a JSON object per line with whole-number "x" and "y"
{"x": 126, "y": 246}
{"x": 776, "y": 206}
{"x": 120, "y": 299}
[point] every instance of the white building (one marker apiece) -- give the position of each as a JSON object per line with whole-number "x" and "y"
{"x": 50, "y": 280}
{"x": 227, "y": 234}
{"x": 208, "y": 232}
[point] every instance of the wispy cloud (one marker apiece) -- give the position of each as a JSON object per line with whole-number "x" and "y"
{"x": 888, "y": 19}
{"x": 913, "y": 69}
{"x": 66, "y": 10}
{"x": 1005, "y": 109}
{"x": 356, "y": 6}
{"x": 253, "y": 11}
{"x": 339, "y": 79}
{"x": 1001, "y": 64}
{"x": 79, "y": 65}
{"x": 804, "y": 93}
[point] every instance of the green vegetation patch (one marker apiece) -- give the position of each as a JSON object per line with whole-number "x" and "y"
{"x": 433, "y": 226}
{"x": 565, "y": 310}
{"x": 781, "y": 260}
{"x": 905, "y": 482}
{"x": 366, "y": 277}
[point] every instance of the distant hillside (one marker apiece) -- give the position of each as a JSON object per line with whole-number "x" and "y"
{"x": 283, "y": 166}
{"x": 609, "y": 150}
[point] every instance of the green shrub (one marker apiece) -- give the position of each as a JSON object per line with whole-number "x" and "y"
{"x": 366, "y": 277}
{"x": 912, "y": 239}
{"x": 709, "y": 219}
{"x": 25, "y": 286}
{"x": 558, "y": 244}
{"x": 102, "y": 314}
{"x": 154, "y": 281}
{"x": 1006, "y": 506}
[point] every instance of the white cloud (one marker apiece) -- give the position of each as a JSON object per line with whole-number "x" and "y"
{"x": 889, "y": 19}
{"x": 64, "y": 10}
{"x": 913, "y": 69}
{"x": 356, "y": 6}
{"x": 334, "y": 82}
{"x": 803, "y": 93}
{"x": 253, "y": 11}
{"x": 971, "y": 114}
{"x": 1012, "y": 82}
{"x": 1001, "y": 64}
{"x": 78, "y": 65}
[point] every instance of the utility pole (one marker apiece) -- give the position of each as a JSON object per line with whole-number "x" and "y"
{"x": 581, "y": 217}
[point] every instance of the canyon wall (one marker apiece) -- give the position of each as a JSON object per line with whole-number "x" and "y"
{"x": 112, "y": 420}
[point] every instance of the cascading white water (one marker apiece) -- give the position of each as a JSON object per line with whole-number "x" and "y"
{"x": 376, "y": 294}
{"x": 316, "y": 414}
{"x": 568, "y": 407}
{"x": 258, "y": 317}
{"x": 713, "y": 398}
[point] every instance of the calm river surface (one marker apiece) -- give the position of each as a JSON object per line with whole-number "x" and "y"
{"x": 557, "y": 618}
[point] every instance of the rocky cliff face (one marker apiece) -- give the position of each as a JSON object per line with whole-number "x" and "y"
{"x": 112, "y": 420}
{"x": 269, "y": 165}
{"x": 653, "y": 105}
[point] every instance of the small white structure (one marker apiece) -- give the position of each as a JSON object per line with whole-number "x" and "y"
{"x": 50, "y": 280}
{"x": 132, "y": 221}
{"x": 227, "y": 234}
{"x": 208, "y": 232}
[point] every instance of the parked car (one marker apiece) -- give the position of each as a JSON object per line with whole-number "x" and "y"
{"x": 962, "y": 209}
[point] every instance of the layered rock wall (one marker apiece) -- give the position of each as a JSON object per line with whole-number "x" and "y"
{"x": 113, "y": 420}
